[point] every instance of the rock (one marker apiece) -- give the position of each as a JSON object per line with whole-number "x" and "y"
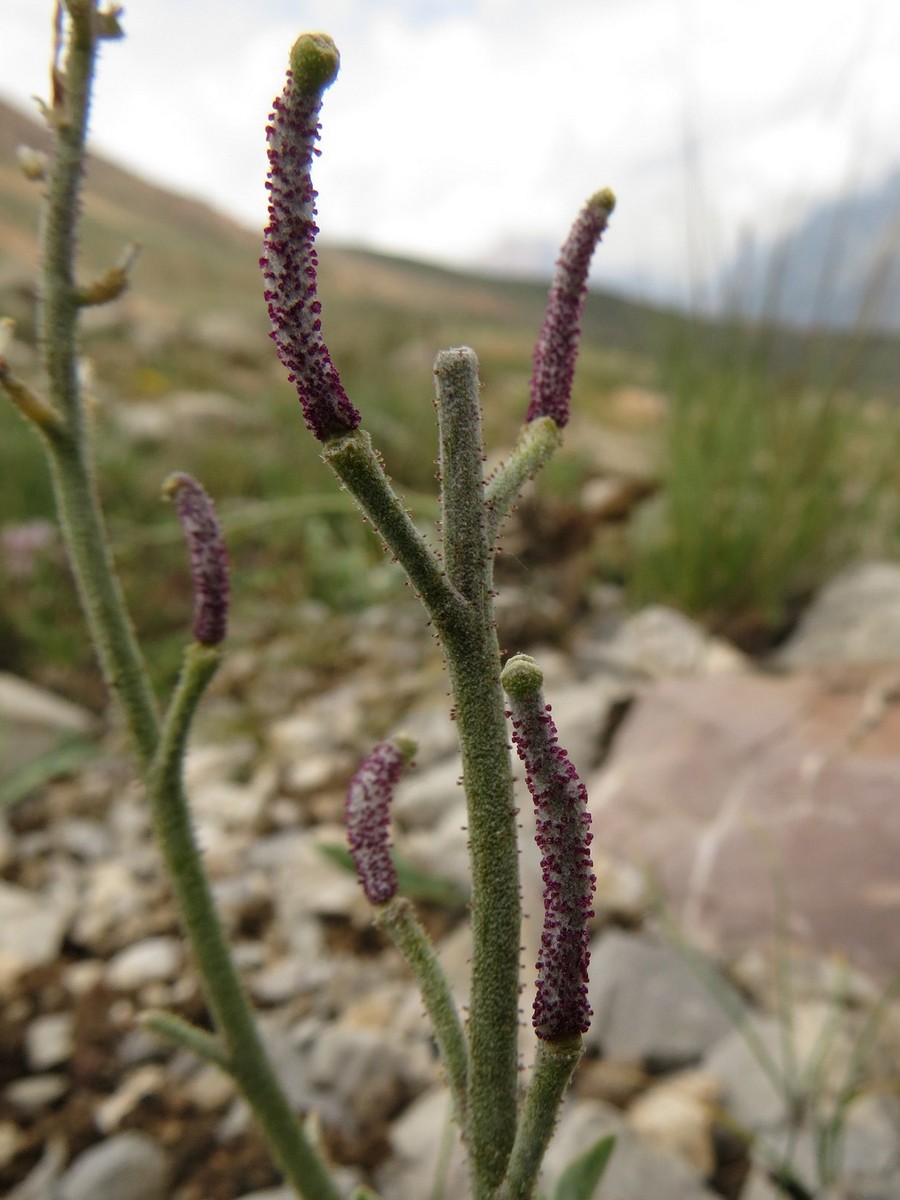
{"x": 867, "y": 1159}
{"x": 26, "y": 704}
{"x": 149, "y": 1080}
{"x": 113, "y": 908}
{"x": 12, "y": 1141}
{"x": 41, "y": 1182}
{"x": 31, "y": 929}
{"x": 130, "y": 1166}
{"x": 678, "y": 1115}
{"x": 33, "y": 721}
{"x": 424, "y": 796}
{"x": 367, "y": 1073}
{"x": 442, "y": 852}
{"x": 659, "y": 642}
{"x": 34, "y": 1093}
{"x": 304, "y": 883}
{"x": 744, "y": 1059}
{"x": 758, "y": 1187}
{"x": 425, "y": 1145}
{"x": 48, "y": 1040}
{"x": 636, "y": 1170}
{"x": 854, "y": 619}
{"x": 734, "y": 794}
{"x": 649, "y": 1006}
{"x": 147, "y": 961}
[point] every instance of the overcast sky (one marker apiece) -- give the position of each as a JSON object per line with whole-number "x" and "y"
{"x": 470, "y": 131}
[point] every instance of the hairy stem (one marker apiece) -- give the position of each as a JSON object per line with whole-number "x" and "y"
{"x": 473, "y": 661}
{"x": 246, "y": 1055}
{"x": 397, "y": 918}
{"x": 553, "y": 1069}
{"x": 79, "y": 509}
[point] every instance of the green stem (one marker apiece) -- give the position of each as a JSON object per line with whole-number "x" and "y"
{"x": 473, "y": 661}
{"x": 465, "y": 624}
{"x": 397, "y": 918}
{"x": 198, "y": 1041}
{"x": 553, "y": 1069}
{"x": 101, "y": 595}
{"x": 79, "y": 509}
{"x": 537, "y": 442}
{"x": 228, "y": 1003}
{"x": 355, "y": 462}
{"x": 465, "y": 545}
{"x": 58, "y": 306}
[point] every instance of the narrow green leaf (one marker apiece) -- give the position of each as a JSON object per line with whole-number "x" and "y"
{"x": 413, "y": 883}
{"x": 582, "y": 1175}
{"x": 63, "y": 759}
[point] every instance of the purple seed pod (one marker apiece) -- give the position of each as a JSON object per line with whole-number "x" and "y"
{"x": 289, "y": 258}
{"x": 561, "y": 1008}
{"x": 368, "y": 814}
{"x": 209, "y": 558}
{"x": 553, "y": 362}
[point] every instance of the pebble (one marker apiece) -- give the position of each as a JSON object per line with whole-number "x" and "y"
{"x": 649, "y": 1006}
{"x": 33, "y": 1093}
{"x": 678, "y": 1114}
{"x": 636, "y": 1170}
{"x": 48, "y": 1040}
{"x": 130, "y": 1166}
{"x": 31, "y": 928}
{"x": 149, "y": 961}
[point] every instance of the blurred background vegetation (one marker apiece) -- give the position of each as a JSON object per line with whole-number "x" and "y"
{"x": 724, "y": 467}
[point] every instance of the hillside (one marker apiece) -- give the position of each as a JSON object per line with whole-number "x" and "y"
{"x": 195, "y": 261}
{"x": 839, "y": 266}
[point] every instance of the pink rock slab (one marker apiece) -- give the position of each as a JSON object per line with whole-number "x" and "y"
{"x": 748, "y": 795}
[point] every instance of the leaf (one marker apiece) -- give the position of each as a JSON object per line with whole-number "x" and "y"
{"x": 63, "y": 759}
{"x": 582, "y": 1175}
{"x": 411, "y": 881}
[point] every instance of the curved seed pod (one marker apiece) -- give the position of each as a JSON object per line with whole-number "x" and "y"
{"x": 368, "y": 814}
{"x": 209, "y": 557}
{"x": 289, "y": 258}
{"x": 553, "y": 362}
{"x": 561, "y": 1008}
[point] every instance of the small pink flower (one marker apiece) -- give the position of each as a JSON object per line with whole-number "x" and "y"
{"x": 561, "y": 1008}
{"x": 209, "y": 558}
{"x": 368, "y": 815}
{"x": 553, "y": 363}
{"x": 289, "y": 260}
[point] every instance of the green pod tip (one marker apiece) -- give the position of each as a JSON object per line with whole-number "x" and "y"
{"x": 605, "y": 199}
{"x": 315, "y": 62}
{"x": 521, "y": 677}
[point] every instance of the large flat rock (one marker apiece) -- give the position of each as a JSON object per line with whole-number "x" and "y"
{"x": 749, "y": 796}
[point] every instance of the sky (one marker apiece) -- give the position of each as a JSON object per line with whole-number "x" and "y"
{"x": 469, "y": 132}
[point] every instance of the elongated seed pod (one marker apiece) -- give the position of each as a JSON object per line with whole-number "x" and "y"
{"x": 561, "y": 1008}
{"x": 553, "y": 362}
{"x": 209, "y": 557}
{"x": 289, "y": 261}
{"x": 368, "y": 815}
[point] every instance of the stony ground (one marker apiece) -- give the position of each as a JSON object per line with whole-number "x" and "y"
{"x": 661, "y": 720}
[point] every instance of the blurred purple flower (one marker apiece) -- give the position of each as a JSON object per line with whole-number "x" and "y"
{"x": 561, "y": 1008}
{"x": 368, "y": 814}
{"x": 209, "y": 558}
{"x": 553, "y": 363}
{"x": 289, "y": 259}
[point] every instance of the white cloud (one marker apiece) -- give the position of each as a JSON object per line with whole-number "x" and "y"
{"x": 460, "y": 126}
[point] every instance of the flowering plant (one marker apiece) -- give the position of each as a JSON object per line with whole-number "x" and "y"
{"x": 505, "y": 1134}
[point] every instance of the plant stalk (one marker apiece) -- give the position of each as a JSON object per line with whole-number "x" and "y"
{"x": 246, "y": 1055}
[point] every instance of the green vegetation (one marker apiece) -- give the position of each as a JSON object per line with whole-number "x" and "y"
{"x": 775, "y": 473}
{"x": 777, "y": 447}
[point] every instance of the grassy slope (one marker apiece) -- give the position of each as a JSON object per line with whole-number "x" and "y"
{"x": 384, "y": 319}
